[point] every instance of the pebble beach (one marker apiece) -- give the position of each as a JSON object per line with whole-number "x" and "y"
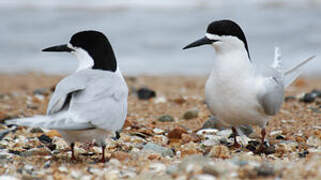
{"x": 168, "y": 134}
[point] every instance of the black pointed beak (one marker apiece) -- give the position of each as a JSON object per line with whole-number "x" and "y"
{"x": 59, "y": 48}
{"x": 200, "y": 42}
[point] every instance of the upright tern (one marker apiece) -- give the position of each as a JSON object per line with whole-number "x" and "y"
{"x": 238, "y": 91}
{"x": 91, "y": 103}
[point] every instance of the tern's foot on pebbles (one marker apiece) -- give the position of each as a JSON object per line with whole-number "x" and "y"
{"x": 260, "y": 150}
{"x": 235, "y": 146}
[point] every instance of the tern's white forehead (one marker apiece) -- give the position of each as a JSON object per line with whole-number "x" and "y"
{"x": 85, "y": 61}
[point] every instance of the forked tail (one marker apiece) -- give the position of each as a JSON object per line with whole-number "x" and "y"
{"x": 291, "y": 74}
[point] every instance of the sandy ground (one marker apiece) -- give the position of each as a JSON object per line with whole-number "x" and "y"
{"x": 179, "y": 150}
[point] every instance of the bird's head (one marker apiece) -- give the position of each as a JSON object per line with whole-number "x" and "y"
{"x": 91, "y": 48}
{"x": 224, "y": 36}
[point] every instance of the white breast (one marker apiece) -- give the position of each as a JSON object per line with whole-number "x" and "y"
{"x": 231, "y": 92}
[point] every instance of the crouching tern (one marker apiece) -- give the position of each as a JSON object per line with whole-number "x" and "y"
{"x": 238, "y": 91}
{"x": 91, "y": 103}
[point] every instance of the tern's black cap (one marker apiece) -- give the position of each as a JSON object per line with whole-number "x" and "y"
{"x": 227, "y": 28}
{"x": 98, "y": 47}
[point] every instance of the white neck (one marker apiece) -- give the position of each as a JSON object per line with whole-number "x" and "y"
{"x": 231, "y": 58}
{"x": 84, "y": 59}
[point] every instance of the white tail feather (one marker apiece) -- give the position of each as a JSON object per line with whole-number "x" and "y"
{"x": 292, "y": 73}
{"x": 36, "y": 121}
{"x": 62, "y": 121}
{"x": 277, "y": 63}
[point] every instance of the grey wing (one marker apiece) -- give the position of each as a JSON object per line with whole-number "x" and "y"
{"x": 271, "y": 95}
{"x": 104, "y": 103}
{"x": 63, "y": 92}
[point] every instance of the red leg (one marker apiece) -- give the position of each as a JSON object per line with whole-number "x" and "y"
{"x": 72, "y": 145}
{"x": 236, "y": 144}
{"x": 103, "y": 154}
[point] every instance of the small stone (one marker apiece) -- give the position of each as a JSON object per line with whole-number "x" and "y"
{"x": 52, "y": 146}
{"x": 128, "y": 174}
{"x": 115, "y": 162}
{"x": 166, "y": 118}
{"x": 315, "y": 110}
{"x": 60, "y": 143}
{"x": 153, "y": 156}
{"x": 189, "y": 151}
{"x": 28, "y": 168}
{"x": 277, "y": 132}
{"x": 316, "y": 92}
{"x": 289, "y": 98}
{"x": 190, "y": 138}
{"x": 204, "y": 177}
{"x": 63, "y": 169}
{"x": 119, "y": 155}
{"x": 76, "y": 174}
{"x": 32, "y": 106}
{"x": 38, "y": 98}
{"x": 160, "y": 100}
{"x": 225, "y": 133}
{"x": 35, "y": 152}
{"x": 314, "y": 141}
{"x": 36, "y": 130}
{"x": 265, "y": 170}
{"x": 4, "y": 97}
{"x": 214, "y": 123}
{"x": 47, "y": 165}
{"x": 219, "y": 151}
{"x": 211, "y": 170}
{"x": 42, "y": 91}
{"x": 207, "y": 132}
{"x": 252, "y": 145}
{"x": 269, "y": 149}
{"x": 158, "y": 149}
{"x": 193, "y": 163}
{"x": 300, "y": 139}
{"x": 3, "y": 133}
{"x": 279, "y": 137}
{"x": 303, "y": 154}
{"x": 5, "y": 155}
{"x": 157, "y": 167}
{"x": 145, "y": 93}
{"x": 88, "y": 154}
{"x": 176, "y": 133}
{"x": 212, "y": 140}
{"x": 308, "y": 98}
{"x": 53, "y": 133}
{"x": 8, "y": 177}
{"x": 158, "y": 131}
{"x": 15, "y": 152}
{"x": 179, "y": 100}
{"x": 45, "y": 139}
{"x": 172, "y": 170}
{"x": 160, "y": 139}
{"x": 191, "y": 114}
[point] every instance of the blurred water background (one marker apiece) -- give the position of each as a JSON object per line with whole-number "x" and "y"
{"x": 148, "y": 36}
